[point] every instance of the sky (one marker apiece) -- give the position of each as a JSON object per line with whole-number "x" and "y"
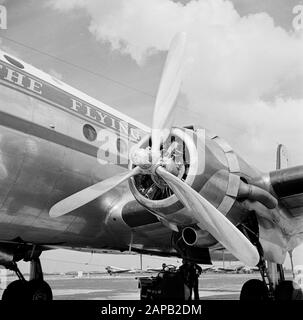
{"x": 243, "y": 65}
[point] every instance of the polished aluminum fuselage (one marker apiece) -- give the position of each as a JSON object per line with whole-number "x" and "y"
{"x": 45, "y": 157}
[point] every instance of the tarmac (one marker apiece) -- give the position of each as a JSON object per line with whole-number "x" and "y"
{"x": 213, "y": 286}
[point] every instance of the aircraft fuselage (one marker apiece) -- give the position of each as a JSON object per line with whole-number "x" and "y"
{"x": 45, "y": 156}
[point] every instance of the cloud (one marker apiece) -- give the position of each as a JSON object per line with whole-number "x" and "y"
{"x": 243, "y": 74}
{"x": 8, "y": 49}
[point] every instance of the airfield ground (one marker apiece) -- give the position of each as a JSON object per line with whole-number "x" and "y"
{"x": 213, "y": 286}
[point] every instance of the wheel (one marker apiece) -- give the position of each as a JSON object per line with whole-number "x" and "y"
{"x": 288, "y": 290}
{"x": 254, "y": 289}
{"x": 16, "y": 290}
{"x": 39, "y": 290}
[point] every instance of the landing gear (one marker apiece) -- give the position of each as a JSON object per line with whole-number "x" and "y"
{"x": 254, "y": 289}
{"x": 267, "y": 289}
{"x": 34, "y": 289}
{"x": 272, "y": 287}
{"x": 39, "y": 290}
{"x": 288, "y": 290}
{"x": 16, "y": 290}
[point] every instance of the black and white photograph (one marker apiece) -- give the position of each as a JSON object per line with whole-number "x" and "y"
{"x": 151, "y": 150}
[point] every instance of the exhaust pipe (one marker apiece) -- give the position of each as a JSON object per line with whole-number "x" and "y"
{"x": 254, "y": 193}
{"x": 197, "y": 237}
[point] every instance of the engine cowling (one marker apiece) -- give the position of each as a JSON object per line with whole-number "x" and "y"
{"x": 203, "y": 161}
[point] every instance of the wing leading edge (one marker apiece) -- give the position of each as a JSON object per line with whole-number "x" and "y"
{"x": 288, "y": 186}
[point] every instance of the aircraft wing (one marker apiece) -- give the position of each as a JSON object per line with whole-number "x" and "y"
{"x": 288, "y": 186}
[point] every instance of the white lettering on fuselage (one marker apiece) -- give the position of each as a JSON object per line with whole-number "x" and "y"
{"x": 76, "y": 105}
{"x": 109, "y": 121}
{"x": 14, "y": 77}
{"x": 19, "y": 79}
{"x": 35, "y": 86}
{"x": 102, "y": 116}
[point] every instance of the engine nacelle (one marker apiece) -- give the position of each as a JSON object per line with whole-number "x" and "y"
{"x": 204, "y": 161}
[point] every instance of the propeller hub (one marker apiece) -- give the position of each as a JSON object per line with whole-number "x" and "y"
{"x": 169, "y": 165}
{"x": 142, "y": 158}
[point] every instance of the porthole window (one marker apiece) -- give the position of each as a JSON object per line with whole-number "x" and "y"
{"x": 89, "y": 132}
{"x": 14, "y": 62}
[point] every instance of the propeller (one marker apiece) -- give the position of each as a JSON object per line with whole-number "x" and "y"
{"x": 167, "y": 93}
{"x": 212, "y": 220}
{"x": 89, "y": 194}
{"x": 147, "y": 162}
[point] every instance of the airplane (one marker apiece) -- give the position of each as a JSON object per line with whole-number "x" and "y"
{"x": 113, "y": 270}
{"x": 216, "y": 269}
{"x": 234, "y": 269}
{"x": 78, "y": 174}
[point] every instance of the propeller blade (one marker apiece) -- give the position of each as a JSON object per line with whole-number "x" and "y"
{"x": 89, "y": 194}
{"x": 212, "y": 220}
{"x": 168, "y": 91}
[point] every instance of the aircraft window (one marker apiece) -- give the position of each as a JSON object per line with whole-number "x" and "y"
{"x": 89, "y": 132}
{"x": 14, "y": 62}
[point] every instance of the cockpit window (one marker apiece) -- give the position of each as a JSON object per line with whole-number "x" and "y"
{"x": 14, "y": 62}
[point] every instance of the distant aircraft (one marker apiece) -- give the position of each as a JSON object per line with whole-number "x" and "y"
{"x": 75, "y": 173}
{"x": 113, "y": 270}
{"x": 239, "y": 269}
{"x": 232, "y": 269}
{"x": 167, "y": 267}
